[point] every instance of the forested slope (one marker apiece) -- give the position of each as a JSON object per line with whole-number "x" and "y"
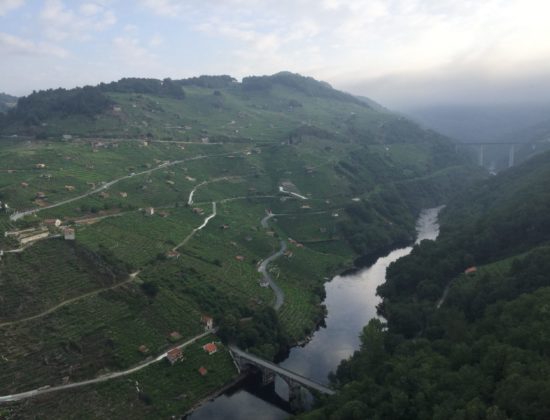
{"x": 480, "y": 348}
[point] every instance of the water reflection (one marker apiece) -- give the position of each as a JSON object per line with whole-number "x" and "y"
{"x": 351, "y": 302}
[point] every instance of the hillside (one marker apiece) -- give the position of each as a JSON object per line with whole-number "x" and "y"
{"x": 463, "y": 345}
{"x": 7, "y": 102}
{"x": 178, "y": 189}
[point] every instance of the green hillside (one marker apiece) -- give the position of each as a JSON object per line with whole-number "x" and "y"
{"x": 209, "y": 157}
{"x": 7, "y": 102}
{"x": 463, "y": 345}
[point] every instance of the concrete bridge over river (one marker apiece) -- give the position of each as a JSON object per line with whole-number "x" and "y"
{"x": 511, "y": 146}
{"x": 269, "y": 370}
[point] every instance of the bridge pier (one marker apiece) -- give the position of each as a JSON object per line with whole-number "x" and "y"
{"x": 268, "y": 376}
{"x": 481, "y": 152}
{"x": 295, "y": 396}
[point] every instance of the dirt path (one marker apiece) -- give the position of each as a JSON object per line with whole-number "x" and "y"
{"x": 47, "y": 389}
{"x": 130, "y": 278}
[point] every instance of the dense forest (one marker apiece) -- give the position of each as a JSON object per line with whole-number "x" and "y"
{"x": 456, "y": 345}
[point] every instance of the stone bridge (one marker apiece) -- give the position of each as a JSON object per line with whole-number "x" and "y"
{"x": 269, "y": 370}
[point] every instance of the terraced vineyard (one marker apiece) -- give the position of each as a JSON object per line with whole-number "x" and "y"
{"x": 173, "y": 190}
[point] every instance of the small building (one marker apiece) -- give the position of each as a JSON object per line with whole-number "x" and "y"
{"x": 163, "y": 213}
{"x": 24, "y": 184}
{"x": 239, "y": 258}
{"x": 207, "y": 321}
{"x": 172, "y": 254}
{"x": 306, "y": 206}
{"x": 170, "y": 182}
{"x": 210, "y": 348}
{"x": 174, "y": 355}
{"x": 40, "y": 195}
{"x": 52, "y": 222}
{"x": 174, "y": 336}
{"x": 143, "y": 349}
{"x": 203, "y": 371}
{"x": 40, "y": 166}
{"x": 67, "y": 137}
{"x": 470, "y": 270}
{"x": 198, "y": 210}
{"x": 123, "y": 194}
{"x": 70, "y": 187}
{"x": 149, "y": 211}
{"x": 69, "y": 234}
{"x": 104, "y": 194}
{"x": 224, "y": 226}
{"x": 116, "y": 108}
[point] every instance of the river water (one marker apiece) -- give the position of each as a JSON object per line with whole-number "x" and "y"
{"x": 351, "y": 302}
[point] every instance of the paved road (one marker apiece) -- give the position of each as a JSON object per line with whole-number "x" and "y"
{"x": 102, "y": 378}
{"x": 279, "y": 294}
{"x": 308, "y": 383}
{"x": 281, "y": 189}
{"x": 18, "y": 215}
{"x": 204, "y": 223}
{"x": 69, "y": 301}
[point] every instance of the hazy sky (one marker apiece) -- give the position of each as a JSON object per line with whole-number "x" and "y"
{"x": 396, "y": 51}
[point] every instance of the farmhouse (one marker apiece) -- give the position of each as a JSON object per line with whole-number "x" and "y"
{"x": 149, "y": 211}
{"x": 24, "y": 184}
{"x": 52, "y": 222}
{"x": 174, "y": 355}
{"x": 239, "y": 257}
{"x": 173, "y": 254}
{"x": 470, "y": 270}
{"x": 207, "y": 321}
{"x": 123, "y": 194}
{"x": 69, "y": 234}
{"x": 210, "y": 348}
{"x": 70, "y": 187}
{"x": 40, "y": 166}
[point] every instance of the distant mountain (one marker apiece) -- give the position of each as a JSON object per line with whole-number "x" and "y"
{"x": 471, "y": 123}
{"x": 491, "y": 124}
{"x": 7, "y": 101}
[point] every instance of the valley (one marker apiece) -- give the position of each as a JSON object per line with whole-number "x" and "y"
{"x": 280, "y": 185}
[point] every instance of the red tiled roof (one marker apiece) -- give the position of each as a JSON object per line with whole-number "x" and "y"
{"x": 203, "y": 371}
{"x": 470, "y": 270}
{"x": 174, "y": 354}
{"x": 210, "y": 348}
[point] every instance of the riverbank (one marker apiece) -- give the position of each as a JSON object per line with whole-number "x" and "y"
{"x": 350, "y": 303}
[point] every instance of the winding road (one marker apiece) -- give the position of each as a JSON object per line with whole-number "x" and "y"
{"x": 262, "y": 268}
{"x": 102, "y": 378}
{"x": 107, "y": 185}
{"x": 204, "y": 223}
{"x": 279, "y": 294}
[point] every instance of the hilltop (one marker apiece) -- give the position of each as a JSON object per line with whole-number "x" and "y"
{"x": 175, "y": 191}
{"x": 7, "y": 102}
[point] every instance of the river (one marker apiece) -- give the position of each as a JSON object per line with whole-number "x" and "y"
{"x": 351, "y": 302}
